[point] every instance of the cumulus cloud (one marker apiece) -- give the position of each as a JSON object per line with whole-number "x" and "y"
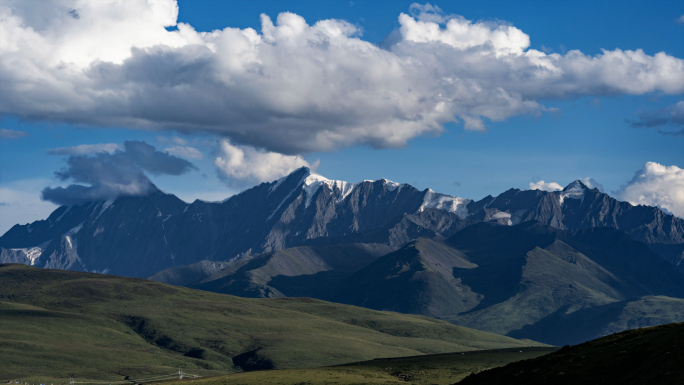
{"x": 85, "y": 149}
{"x": 656, "y": 185}
{"x": 541, "y": 185}
{"x": 6, "y": 133}
{"x": 293, "y": 87}
{"x": 239, "y": 164}
{"x": 185, "y": 152}
{"x": 106, "y": 175}
{"x": 669, "y": 120}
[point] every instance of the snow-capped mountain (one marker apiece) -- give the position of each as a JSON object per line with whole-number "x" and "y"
{"x": 139, "y": 236}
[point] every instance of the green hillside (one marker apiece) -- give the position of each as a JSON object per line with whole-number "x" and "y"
{"x": 62, "y": 324}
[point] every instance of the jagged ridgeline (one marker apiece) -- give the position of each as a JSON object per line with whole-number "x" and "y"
{"x": 140, "y": 236}
{"x": 65, "y": 324}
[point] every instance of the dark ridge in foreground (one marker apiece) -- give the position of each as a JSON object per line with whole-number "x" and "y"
{"x": 643, "y": 356}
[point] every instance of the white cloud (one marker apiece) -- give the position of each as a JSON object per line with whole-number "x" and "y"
{"x": 656, "y": 185}
{"x": 244, "y": 163}
{"x": 20, "y": 203}
{"x": 85, "y": 149}
{"x": 293, "y": 87}
{"x": 185, "y": 152}
{"x": 541, "y": 185}
{"x": 681, "y": 19}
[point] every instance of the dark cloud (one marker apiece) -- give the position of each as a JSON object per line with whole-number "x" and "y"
{"x": 11, "y": 134}
{"x": 668, "y": 121}
{"x": 109, "y": 175}
{"x": 156, "y": 162}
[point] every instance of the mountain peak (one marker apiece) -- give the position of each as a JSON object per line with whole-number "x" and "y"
{"x": 577, "y": 185}
{"x": 312, "y": 182}
{"x": 574, "y": 190}
{"x": 303, "y": 172}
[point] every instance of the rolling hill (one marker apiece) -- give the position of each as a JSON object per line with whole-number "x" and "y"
{"x": 61, "y": 324}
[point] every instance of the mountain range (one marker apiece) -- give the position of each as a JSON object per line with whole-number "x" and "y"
{"x": 558, "y": 267}
{"x": 141, "y": 235}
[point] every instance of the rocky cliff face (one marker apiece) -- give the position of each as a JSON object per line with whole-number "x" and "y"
{"x": 139, "y": 236}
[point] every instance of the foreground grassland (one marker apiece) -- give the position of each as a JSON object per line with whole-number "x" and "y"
{"x": 59, "y": 324}
{"x": 420, "y": 370}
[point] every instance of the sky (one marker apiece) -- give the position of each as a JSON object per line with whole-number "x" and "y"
{"x": 204, "y": 99}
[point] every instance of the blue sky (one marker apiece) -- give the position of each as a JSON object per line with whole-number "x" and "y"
{"x": 616, "y": 120}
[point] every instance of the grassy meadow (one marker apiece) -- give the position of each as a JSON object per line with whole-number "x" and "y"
{"x": 60, "y": 324}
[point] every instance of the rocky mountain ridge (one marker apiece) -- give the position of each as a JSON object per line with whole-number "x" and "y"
{"x": 140, "y": 236}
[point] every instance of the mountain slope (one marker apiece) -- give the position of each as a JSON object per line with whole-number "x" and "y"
{"x": 61, "y": 323}
{"x": 515, "y": 280}
{"x": 304, "y": 271}
{"x": 588, "y": 323}
{"x": 643, "y": 356}
{"x": 417, "y": 279}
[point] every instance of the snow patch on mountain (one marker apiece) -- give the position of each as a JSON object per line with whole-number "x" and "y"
{"x": 32, "y": 254}
{"x": 75, "y": 229}
{"x": 434, "y": 200}
{"x": 107, "y": 204}
{"x": 64, "y": 213}
{"x": 574, "y": 190}
{"x": 314, "y": 182}
{"x": 276, "y": 184}
{"x": 391, "y": 186}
